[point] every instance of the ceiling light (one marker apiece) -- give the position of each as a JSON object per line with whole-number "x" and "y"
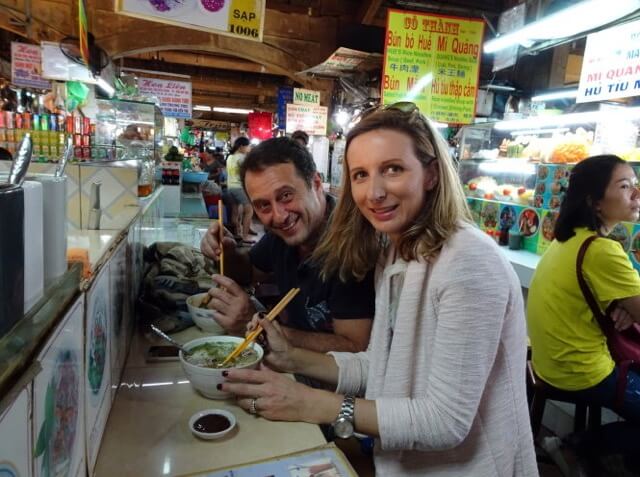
{"x": 582, "y": 17}
{"x": 232, "y": 110}
{"x": 568, "y": 93}
{"x": 544, "y": 122}
{"x": 200, "y": 107}
{"x": 497, "y": 87}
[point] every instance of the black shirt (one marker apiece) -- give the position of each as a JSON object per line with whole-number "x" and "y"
{"x": 318, "y": 301}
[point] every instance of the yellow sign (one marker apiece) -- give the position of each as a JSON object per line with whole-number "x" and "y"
{"x": 238, "y": 18}
{"x": 306, "y": 96}
{"x": 434, "y": 62}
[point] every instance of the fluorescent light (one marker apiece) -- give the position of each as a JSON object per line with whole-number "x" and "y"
{"x": 533, "y": 132}
{"x": 232, "y": 110}
{"x": 498, "y": 87}
{"x": 584, "y": 16}
{"x": 568, "y": 93}
{"x": 544, "y": 122}
{"x": 200, "y": 107}
{"x": 104, "y": 86}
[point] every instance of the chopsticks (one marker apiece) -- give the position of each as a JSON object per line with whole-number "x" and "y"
{"x": 207, "y": 297}
{"x": 254, "y": 334}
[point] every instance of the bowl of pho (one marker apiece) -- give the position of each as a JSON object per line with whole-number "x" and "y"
{"x": 203, "y": 362}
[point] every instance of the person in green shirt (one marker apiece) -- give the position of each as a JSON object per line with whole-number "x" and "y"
{"x": 569, "y": 350}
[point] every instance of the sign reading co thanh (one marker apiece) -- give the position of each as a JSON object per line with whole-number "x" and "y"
{"x": 238, "y": 18}
{"x": 309, "y": 118}
{"x": 611, "y": 64}
{"x": 434, "y": 62}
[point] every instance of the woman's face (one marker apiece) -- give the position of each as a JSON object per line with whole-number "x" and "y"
{"x": 388, "y": 183}
{"x": 621, "y": 201}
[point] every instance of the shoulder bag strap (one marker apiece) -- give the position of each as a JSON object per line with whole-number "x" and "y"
{"x": 586, "y": 291}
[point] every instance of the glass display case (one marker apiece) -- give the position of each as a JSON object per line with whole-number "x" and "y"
{"x": 515, "y": 173}
{"x": 131, "y": 132}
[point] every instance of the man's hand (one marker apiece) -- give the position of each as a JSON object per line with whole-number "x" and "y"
{"x": 232, "y": 306}
{"x": 210, "y": 244}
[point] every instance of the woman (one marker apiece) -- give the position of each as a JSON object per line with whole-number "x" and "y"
{"x": 569, "y": 349}
{"x": 441, "y": 386}
{"x": 241, "y": 210}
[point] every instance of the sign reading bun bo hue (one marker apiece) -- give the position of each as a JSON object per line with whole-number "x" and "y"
{"x": 433, "y": 61}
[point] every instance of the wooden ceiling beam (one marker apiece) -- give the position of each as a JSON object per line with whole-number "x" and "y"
{"x": 368, "y": 12}
{"x": 203, "y": 60}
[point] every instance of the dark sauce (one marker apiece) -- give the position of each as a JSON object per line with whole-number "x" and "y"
{"x": 212, "y": 423}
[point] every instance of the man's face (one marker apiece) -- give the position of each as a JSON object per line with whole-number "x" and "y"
{"x": 285, "y": 204}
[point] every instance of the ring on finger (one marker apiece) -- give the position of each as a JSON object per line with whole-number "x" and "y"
{"x": 252, "y": 406}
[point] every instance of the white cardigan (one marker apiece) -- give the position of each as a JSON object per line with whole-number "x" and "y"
{"x": 449, "y": 380}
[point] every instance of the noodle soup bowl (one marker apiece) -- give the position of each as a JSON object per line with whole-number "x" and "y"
{"x": 200, "y": 367}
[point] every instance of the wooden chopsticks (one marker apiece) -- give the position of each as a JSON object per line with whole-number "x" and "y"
{"x": 254, "y": 334}
{"x": 207, "y": 297}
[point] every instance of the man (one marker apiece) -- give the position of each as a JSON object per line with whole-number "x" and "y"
{"x": 281, "y": 181}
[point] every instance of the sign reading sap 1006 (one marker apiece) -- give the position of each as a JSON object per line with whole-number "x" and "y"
{"x": 239, "y": 18}
{"x": 433, "y": 61}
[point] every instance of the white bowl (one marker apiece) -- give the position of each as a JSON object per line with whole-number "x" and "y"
{"x": 206, "y": 380}
{"x": 211, "y": 435}
{"x": 204, "y": 318}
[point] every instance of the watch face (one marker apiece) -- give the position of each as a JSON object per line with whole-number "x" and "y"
{"x": 343, "y": 428}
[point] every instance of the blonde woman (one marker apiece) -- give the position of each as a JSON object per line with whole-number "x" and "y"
{"x": 442, "y": 384}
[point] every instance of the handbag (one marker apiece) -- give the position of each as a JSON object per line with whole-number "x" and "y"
{"x": 624, "y": 346}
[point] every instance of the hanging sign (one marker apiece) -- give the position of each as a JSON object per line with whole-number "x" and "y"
{"x": 434, "y": 62}
{"x": 611, "y": 64}
{"x": 309, "y": 118}
{"x": 285, "y": 96}
{"x": 26, "y": 66}
{"x": 174, "y": 97}
{"x": 238, "y": 18}
{"x": 305, "y": 96}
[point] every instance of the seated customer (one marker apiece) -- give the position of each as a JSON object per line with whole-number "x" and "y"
{"x": 441, "y": 386}
{"x": 569, "y": 350}
{"x": 285, "y": 189}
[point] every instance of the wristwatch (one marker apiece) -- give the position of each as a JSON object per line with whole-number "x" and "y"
{"x": 343, "y": 425}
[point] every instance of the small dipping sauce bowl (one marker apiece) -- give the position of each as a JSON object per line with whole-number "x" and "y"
{"x": 211, "y": 423}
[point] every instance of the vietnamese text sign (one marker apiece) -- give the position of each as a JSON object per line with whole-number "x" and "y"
{"x": 174, "y": 97}
{"x": 26, "y": 66}
{"x": 433, "y": 61}
{"x": 611, "y": 65}
{"x": 239, "y": 18}
{"x": 305, "y": 96}
{"x": 308, "y": 118}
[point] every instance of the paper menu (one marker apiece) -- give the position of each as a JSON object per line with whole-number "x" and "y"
{"x": 326, "y": 461}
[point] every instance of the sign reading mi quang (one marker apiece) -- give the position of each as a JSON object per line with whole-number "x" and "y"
{"x": 434, "y": 62}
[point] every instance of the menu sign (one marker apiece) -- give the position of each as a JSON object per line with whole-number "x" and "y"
{"x": 433, "y": 61}
{"x": 174, "y": 97}
{"x": 611, "y": 64}
{"x": 239, "y": 18}
{"x": 309, "y": 118}
{"x": 26, "y": 66}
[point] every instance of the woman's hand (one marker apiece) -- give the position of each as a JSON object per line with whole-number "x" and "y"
{"x": 621, "y": 318}
{"x": 278, "y": 350}
{"x": 277, "y": 397}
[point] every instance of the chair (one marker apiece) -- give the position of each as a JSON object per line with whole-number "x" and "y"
{"x": 211, "y": 202}
{"x": 541, "y": 391}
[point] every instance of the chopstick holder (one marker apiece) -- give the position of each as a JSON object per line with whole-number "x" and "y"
{"x": 254, "y": 334}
